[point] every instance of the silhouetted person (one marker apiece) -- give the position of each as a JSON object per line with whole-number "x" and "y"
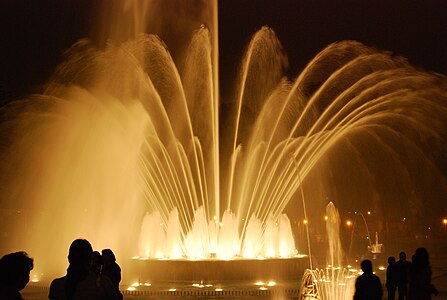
{"x": 368, "y": 285}
{"x": 14, "y": 274}
{"x": 391, "y": 278}
{"x": 81, "y": 283}
{"x": 403, "y": 272}
{"x": 96, "y": 262}
{"x": 111, "y": 269}
{"x": 421, "y": 287}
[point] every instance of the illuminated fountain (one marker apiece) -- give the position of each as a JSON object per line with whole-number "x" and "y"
{"x": 126, "y": 150}
{"x": 333, "y": 282}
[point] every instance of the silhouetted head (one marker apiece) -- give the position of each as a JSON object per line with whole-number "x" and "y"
{"x": 402, "y": 256}
{"x": 420, "y": 258}
{"x": 14, "y": 270}
{"x": 391, "y": 260}
{"x": 366, "y": 266}
{"x": 80, "y": 252}
{"x": 108, "y": 256}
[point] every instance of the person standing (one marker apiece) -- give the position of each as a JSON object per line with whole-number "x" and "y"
{"x": 403, "y": 272}
{"x": 391, "y": 278}
{"x": 81, "y": 283}
{"x": 111, "y": 269}
{"x": 368, "y": 285}
{"x": 14, "y": 274}
{"x": 420, "y": 287}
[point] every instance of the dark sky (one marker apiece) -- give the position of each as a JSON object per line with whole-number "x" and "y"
{"x": 35, "y": 33}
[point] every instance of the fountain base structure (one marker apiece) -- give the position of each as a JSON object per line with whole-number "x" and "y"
{"x": 214, "y": 270}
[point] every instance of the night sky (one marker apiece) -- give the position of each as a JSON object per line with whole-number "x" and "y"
{"x": 34, "y": 34}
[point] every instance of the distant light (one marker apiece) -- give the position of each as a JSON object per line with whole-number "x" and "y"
{"x": 271, "y": 283}
{"x": 35, "y": 280}
{"x": 382, "y": 268}
{"x": 444, "y": 221}
{"x": 259, "y": 283}
{"x": 135, "y": 284}
{"x": 325, "y": 218}
{"x": 348, "y": 223}
{"x": 368, "y": 212}
{"x": 305, "y": 221}
{"x": 218, "y": 290}
{"x": 131, "y": 288}
{"x": 147, "y": 284}
{"x": 263, "y": 288}
{"x": 172, "y": 290}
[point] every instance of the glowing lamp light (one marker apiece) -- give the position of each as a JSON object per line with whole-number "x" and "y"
{"x": 218, "y": 290}
{"x": 305, "y": 221}
{"x": 172, "y": 290}
{"x": 263, "y": 288}
{"x": 368, "y": 212}
{"x": 444, "y": 221}
{"x": 135, "y": 284}
{"x": 131, "y": 288}
{"x": 271, "y": 283}
{"x": 382, "y": 268}
{"x": 259, "y": 283}
{"x": 348, "y": 223}
{"x": 326, "y": 218}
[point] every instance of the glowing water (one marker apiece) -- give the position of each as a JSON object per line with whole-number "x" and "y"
{"x": 120, "y": 132}
{"x": 333, "y": 282}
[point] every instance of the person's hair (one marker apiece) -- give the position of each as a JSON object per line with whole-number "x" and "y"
{"x": 366, "y": 266}
{"x": 421, "y": 259}
{"x": 402, "y": 255}
{"x": 14, "y": 267}
{"x": 391, "y": 259}
{"x": 79, "y": 257}
{"x": 108, "y": 255}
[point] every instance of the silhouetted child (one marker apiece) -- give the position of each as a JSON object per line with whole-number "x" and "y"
{"x": 14, "y": 274}
{"x": 391, "y": 278}
{"x": 110, "y": 268}
{"x": 368, "y": 285}
{"x": 81, "y": 283}
{"x": 421, "y": 287}
{"x": 403, "y": 272}
{"x": 96, "y": 262}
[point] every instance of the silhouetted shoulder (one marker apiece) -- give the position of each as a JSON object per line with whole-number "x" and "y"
{"x": 57, "y": 289}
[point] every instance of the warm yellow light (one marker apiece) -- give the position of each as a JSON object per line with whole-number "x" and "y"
{"x": 172, "y": 290}
{"x": 259, "y": 283}
{"x": 444, "y": 221}
{"x": 368, "y": 212}
{"x": 305, "y": 221}
{"x": 135, "y": 284}
{"x": 218, "y": 290}
{"x": 348, "y": 223}
{"x": 325, "y": 218}
{"x": 131, "y": 288}
{"x": 382, "y": 268}
{"x": 271, "y": 283}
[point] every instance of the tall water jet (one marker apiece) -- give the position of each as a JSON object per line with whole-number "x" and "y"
{"x": 334, "y": 281}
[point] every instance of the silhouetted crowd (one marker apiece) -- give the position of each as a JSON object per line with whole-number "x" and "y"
{"x": 411, "y": 280}
{"x": 90, "y": 275}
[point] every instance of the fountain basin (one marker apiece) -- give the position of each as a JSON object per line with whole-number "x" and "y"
{"x": 214, "y": 270}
